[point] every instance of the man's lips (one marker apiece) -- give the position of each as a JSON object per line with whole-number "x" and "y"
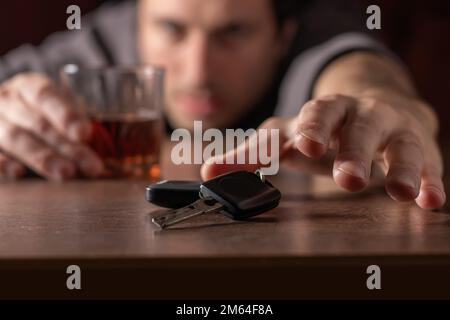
{"x": 199, "y": 106}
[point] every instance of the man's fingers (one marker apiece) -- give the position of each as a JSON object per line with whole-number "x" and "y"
{"x": 359, "y": 139}
{"x": 42, "y": 95}
{"x": 317, "y": 121}
{"x": 432, "y": 194}
{"x": 405, "y": 159}
{"x": 34, "y": 153}
{"x": 211, "y": 169}
{"x": 10, "y": 168}
{"x": 253, "y": 154}
{"x": 228, "y": 162}
{"x": 17, "y": 112}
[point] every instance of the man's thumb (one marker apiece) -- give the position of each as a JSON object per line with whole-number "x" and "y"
{"x": 260, "y": 150}
{"x": 211, "y": 169}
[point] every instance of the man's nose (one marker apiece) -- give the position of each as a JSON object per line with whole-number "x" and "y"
{"x": 197, "y": 64}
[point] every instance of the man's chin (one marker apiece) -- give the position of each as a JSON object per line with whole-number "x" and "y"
{"x": 183, "y": 120}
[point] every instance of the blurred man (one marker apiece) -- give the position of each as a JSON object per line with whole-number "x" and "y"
{"x": 224, "y": 62}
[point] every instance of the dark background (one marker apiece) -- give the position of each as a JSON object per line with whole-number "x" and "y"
{"x": 417, "y": 31}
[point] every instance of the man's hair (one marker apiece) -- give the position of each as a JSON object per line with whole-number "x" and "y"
{"x": 287, "y": 9}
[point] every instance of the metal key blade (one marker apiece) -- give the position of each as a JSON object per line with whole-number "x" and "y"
{"x": 174, "y": 216}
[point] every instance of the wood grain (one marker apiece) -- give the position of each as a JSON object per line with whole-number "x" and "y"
{"x": 105, "y": 225}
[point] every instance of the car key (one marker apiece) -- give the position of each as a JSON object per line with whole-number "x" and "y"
{"x": 238, "y": 195}
{"x": 173, "y": 193}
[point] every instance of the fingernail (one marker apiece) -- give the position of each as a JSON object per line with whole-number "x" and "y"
{"x": 91, "y": 166}
{"x": 409, "y": 182}
{"x": 353, "y": 168}
{"x": 79, "y": 130}
{"x": 61, "y": 169}
{"x": 311, "y": 136}
{"x": 437, "y": 192}
{"x": 431, "y": 198}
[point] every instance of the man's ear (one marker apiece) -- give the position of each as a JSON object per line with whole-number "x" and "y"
{"x": 287, "y": 33}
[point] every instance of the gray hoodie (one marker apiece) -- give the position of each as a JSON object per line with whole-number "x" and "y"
{"x": 108, "y": 37}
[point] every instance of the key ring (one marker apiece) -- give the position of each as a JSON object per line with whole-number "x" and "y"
{"x": 260, "y": 175}
{"x": 200, "y": 195}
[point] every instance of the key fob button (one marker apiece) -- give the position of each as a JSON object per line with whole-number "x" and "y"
{"x": 240, "y": 188}
{"x": 242, "y": 193}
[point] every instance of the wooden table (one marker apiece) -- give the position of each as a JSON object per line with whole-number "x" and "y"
{"x": 316, "y": 244}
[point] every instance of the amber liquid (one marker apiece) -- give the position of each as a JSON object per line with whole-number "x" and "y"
{"x": 128, "y": 145}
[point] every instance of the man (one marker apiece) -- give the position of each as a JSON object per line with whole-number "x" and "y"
{"x": 222, "y": 58}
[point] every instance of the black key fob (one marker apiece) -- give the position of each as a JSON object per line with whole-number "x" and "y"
{"x": 243, "y": 194}
{"x": 173, "y": 193}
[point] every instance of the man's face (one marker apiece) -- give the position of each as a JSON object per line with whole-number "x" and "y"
{"x": 219, "y": 55}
